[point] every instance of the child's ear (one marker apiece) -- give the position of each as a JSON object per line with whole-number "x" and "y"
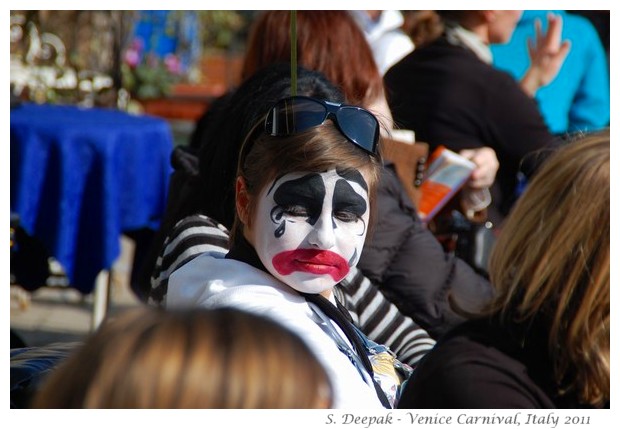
{"x": 242, "y": 200}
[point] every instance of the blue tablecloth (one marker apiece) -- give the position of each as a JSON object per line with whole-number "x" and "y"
{"x": 81, "y": 177}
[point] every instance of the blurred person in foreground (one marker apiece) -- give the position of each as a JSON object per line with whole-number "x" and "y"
{"x": 224, "y": 358}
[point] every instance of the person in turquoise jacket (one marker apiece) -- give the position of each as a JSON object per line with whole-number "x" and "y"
{"x": 578, "y": 98}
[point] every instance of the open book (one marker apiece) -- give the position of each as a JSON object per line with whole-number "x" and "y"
{"x": 446, "y": 174}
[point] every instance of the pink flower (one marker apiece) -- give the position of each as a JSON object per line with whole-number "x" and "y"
{"x": 132, "y": 58}
{"x": 173, "y": 65}
{"x": 133, "y": 54}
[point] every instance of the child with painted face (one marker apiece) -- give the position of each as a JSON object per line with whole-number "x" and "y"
{"x": 311, "y": 227}
{"x": 306, "y": 180}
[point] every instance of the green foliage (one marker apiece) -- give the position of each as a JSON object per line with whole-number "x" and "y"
{"x": 225, "y": 29}
{"x": 148, "y": 80}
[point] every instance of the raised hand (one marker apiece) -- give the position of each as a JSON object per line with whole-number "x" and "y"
{"x": 547, "y": 54}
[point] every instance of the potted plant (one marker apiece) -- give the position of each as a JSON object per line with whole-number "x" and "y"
{"x": 223, "y": 39}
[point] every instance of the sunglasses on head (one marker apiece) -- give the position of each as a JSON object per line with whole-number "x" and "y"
{"x": 298, "y": 113}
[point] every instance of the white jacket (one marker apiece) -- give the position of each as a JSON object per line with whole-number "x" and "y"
{"x": 212, "y": 282}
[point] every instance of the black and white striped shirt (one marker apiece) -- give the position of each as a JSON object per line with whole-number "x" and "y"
{"x": 374, "y": 314}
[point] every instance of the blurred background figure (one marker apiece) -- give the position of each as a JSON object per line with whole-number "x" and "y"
{"x": 224, "y": 358}
{"x": 327, "y": 41}
{"x": 422, "y": 26}
{"x": 601, "y": 21}
{"x": 335, "y": 53}
{"x": 578, "y": 98}
{"x": 544, "y": 340}
{"x": 450, "y": 94}
{"x": 383, "y": 30}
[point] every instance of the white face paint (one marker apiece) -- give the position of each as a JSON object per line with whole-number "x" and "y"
{"x": 310, "y": 228}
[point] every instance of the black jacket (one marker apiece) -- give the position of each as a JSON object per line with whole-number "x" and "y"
{"x": 485, "y": 364}
{"x": 449, "y": 97}
{"x": 410, "y": 266}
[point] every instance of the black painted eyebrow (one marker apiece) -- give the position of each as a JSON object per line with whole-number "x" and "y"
{"x": 308, "y": 186}
{"x": 274, "y": 182}
{"x": 307, "y": 191}
{"x": 345, "y": 197}
{"x": 352, "y": 176}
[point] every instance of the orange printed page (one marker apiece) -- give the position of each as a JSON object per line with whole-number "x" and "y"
{"x": 446, "y": 175}
{"x": 433, "y": 194}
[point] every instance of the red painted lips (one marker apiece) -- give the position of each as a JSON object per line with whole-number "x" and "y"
{"x": 311, "y": 261}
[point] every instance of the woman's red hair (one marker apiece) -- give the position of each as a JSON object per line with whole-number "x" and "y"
{"x": 328, "y": 41}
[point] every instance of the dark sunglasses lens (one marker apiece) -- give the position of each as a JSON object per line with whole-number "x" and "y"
{"x": 359, "y": 126}
{"x": 295, "y": 115}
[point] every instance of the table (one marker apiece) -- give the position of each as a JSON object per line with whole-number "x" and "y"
{"x": 80, "y": 177}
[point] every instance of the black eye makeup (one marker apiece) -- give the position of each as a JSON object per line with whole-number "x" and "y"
{"x": 296, "y": 211}
{"x": 348, "y": 206}
{"x": 302, "y": 199}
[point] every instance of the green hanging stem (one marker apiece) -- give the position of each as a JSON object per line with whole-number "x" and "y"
{"x": 293, "y": 52}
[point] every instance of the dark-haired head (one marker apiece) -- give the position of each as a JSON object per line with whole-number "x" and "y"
{"x": 220, "y": 147}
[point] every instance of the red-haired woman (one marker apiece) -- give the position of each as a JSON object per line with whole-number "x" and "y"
{"x": 329, "y": 41}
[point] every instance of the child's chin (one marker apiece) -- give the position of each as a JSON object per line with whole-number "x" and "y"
{"x": 314, "y": 285}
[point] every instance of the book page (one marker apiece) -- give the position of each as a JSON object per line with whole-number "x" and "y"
{"x": 446, "y": 175}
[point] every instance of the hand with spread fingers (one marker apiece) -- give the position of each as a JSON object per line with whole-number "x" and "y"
{"x": 547, "y": 54}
